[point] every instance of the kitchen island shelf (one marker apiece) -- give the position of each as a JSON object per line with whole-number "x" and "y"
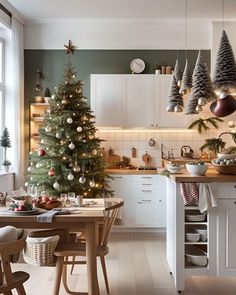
{"x": 196, "y": 222}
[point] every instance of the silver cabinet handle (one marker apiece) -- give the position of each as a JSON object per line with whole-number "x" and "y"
{"x": 146, "y": 184}
{"x": 117, "y": 177}
{"x": 146, "y": 200}
{"x": 146, "y": 190}
{"x": 146, "y": 177}
{"x": 143, "y": 201}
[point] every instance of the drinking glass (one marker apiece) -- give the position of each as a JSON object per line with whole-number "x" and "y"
{"x": 63, "y": 198}
{"x": 71, "y": 198}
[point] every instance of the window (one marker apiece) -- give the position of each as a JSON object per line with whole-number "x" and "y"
{"x": 2, "y": 89}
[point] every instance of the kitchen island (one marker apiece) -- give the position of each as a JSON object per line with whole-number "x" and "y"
{"x": 219, "y": 223}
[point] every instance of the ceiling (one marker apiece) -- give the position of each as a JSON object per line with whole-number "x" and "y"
{"x": 56, "y": 9}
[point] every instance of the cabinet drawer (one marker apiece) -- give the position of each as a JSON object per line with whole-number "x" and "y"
{"x": 148, "y": 212}
{"x": 227, "y": 190}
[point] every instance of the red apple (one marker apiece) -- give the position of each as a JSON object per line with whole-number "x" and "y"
{"x": 45, "y": 199}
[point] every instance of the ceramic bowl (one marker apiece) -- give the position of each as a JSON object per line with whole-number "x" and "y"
{"x": 192, "y": 237}
{"x": 225, "y": 169}
{"x": 196, "y": 256}
{"x": 196, "y": 169}
{"x": 226, "y": 156}
{"x": 203, "y": 234}
{"x": 174, "y": 169}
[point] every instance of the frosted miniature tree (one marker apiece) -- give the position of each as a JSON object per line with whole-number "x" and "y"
{"x": 186, "y": 84}
{"x": 202, "y": 90}
{"x": 225, "y": 69}
{"x": 178, "y": 73}
{"x": 175, "y": 99}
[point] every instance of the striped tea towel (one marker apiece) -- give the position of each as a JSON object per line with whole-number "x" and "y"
{"x": 189, "y": 191}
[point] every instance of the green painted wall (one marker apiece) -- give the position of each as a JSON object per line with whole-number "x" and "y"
{"x": 86, "y": 62}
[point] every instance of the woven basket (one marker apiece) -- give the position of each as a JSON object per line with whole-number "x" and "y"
{"x": 39, "y": 251}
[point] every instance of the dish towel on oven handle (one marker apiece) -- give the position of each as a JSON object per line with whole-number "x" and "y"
{"x": 207, "y": 199}
{"x": 189, "y": 191}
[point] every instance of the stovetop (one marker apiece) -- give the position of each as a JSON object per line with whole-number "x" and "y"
{"x": 147, "y": 168}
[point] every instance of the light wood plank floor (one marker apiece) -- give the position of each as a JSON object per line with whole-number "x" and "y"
{"x": 136, "y": 266}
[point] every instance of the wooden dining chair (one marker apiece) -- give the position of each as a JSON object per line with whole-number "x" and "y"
{"x": 11, "y": 280}
{"x": 79, "y": 249}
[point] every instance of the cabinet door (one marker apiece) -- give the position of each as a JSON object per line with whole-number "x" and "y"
{"x": 227, "y": 237}
{"x": 108, "y": 99}
{"x": 139, "y": 101}
{"x": 162, "y": 117}
{"x": 121, "y": 187}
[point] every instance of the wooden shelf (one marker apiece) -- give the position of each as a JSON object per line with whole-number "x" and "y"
{"x": 39, "y": 104}
{"x": 196, "y": 243}
{"x": 196, "y": 222}
{"x": 37, "y": 119}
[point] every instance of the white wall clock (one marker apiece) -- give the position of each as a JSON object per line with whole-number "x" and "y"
{"x": 137, "y": 65}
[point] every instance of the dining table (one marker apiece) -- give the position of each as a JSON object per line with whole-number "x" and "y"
{"x": 89, "y": 220}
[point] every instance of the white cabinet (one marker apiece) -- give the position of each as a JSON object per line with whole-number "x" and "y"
{"x": 144, "y": 200}
{"x": 139, "y": 101}
{"x": 108, "y": 99}
{"x": 133, "y": 101}
{"x": 227, "y": 237}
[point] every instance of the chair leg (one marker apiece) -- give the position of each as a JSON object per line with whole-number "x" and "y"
{"x": 57, "y": 282}
{"x": 102, "y": 258}
{"x": 21, "y": 290}
{"x": 73, "y": 265}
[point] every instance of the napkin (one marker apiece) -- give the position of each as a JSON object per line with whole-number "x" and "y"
{"x": 207, "y": 199}
{"x": 189, "y": 191}
{"x": 47, "y": 217}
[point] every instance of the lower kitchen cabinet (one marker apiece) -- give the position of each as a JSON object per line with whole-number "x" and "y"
{"x": 144, "y": 197}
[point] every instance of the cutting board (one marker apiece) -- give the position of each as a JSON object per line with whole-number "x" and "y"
{"x": 112, "y": 159}
{"x": 146, "y": 159}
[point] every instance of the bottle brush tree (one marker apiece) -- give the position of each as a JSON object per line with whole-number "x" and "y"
{"x": 5, "y": 142}
{"x": 69, "y": 157}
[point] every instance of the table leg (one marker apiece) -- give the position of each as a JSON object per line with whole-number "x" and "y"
{"x": 91, "y": 243}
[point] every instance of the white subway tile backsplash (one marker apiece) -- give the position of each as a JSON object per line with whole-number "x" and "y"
{"x": 122, "y": 142}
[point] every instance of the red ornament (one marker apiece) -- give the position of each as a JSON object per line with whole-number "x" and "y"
{"x": 41, "y": 152}
{"x": 51, "y": 172}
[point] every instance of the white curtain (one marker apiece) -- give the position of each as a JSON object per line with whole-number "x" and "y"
{"x": 15, "y": 101}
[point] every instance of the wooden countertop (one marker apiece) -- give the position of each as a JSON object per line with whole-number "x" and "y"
{"x": 211, "y": 176}
{"x": 131, "y": 171}
{"x": 182, "y": 161}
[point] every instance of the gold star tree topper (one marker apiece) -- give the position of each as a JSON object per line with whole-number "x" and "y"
{"x": 70, "y": 48}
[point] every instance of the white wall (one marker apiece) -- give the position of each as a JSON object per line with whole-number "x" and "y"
{"x": 119, "y": 34}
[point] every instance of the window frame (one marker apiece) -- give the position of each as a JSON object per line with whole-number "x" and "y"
{"x": 2, "y": 90}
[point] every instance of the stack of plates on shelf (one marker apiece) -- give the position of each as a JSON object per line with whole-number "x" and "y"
{"x": 196, "y": 256}
{"x": 195, "y": 217}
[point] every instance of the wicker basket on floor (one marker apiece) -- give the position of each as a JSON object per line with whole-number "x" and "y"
{"x": 40, "y": 251}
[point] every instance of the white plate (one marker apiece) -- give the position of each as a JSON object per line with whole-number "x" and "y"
{"x": 195, "y": 217}
{"x": 29, "y": 212}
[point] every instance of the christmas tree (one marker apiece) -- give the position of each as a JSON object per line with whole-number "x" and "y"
{"x": 202, "y": 90}
{"x": 225, "y": 69}
{"x": 69, "y": 158}
{"x": 5, "y": 142}
{"x": 178, "y": 73}
{"x": 175, "y": 99}
{"x": 186, "y": 84}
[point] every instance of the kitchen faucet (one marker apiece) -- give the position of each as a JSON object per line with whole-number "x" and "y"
{"x": 184, "y": 153}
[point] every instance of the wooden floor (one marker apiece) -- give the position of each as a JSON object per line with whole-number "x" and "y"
{"x": 136, "y": 266}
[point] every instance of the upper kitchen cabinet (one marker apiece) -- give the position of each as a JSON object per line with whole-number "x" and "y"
{"x": 108, "y": 100}
{"x": 163, "y": 118}
{"x": 133, "y": 101}
{"x": 139, "y": 101}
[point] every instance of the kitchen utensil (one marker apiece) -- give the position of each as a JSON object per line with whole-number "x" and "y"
{"x": 146, "y": 159}
{"x": 196, "y": 169}
{"x": 112, "y": 159}
{"x": 151, "y": 142}
{"x": 192, "y": 237}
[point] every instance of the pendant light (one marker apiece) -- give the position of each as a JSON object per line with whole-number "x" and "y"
{"x": 224, "y": 77}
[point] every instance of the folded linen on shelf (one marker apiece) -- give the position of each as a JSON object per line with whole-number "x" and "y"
{"x": 207, "y": 199}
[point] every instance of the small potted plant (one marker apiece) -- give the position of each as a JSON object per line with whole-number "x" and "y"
{"x": 5, "y": 143}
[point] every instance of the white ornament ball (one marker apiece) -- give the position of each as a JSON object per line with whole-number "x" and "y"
{"x": 42, "y": 140}
{"x": 38, "y": 165}
{"x": 71, "y": 146}
{"x": 53, "y": 96}
{"x": 48, "y": 128}
{"x": 69, "y": 120}
{"x": 58, "y": 135}
{"x": 56, "y": 185}
{"x": 26, "y": 184}
{"x": 29, "y": 169}
{"x": 79, "y": 129}
{"x": 70, "y": 176}
{"x": 92, "y": 183}
{"x": 82, "y": 180}
{"x": 94, "y": 152}
{"x": 202, "y": 101}
{"x": 76, "y": 168}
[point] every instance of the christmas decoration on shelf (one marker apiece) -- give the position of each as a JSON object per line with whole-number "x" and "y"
{"x": 175, "y": 99}
{"x": 5, "y": 143}
{"x": 202, "y": 90}
{"x": 186, "y": 84}
{"x": 202, "y": 123}
{"x": 69, "y": 156}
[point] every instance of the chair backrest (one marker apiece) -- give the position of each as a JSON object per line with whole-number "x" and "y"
{"x": 6, "y": 251}
{"x": 112, "y": 208}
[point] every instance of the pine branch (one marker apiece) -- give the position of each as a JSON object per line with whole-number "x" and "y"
{"x": 213, "y": 144}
